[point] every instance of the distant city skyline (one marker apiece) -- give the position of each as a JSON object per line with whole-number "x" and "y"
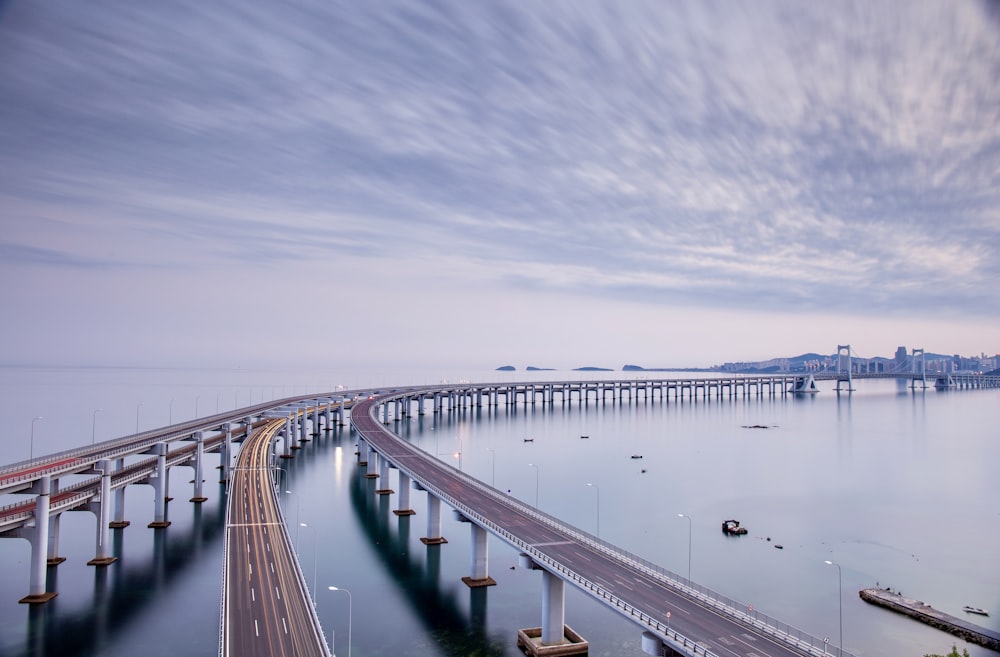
{"x": 460, "y": 184}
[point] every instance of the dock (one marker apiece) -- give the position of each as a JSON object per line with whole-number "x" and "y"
{"x": 925, "y": 613}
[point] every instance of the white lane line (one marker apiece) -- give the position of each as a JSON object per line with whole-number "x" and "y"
{"x": 278, "y": 591}
{"x": 272, "y": 567}
{"x": 284, "y": 625}
{"x": 253, "y": 595}
{"x": 255, "y": 628}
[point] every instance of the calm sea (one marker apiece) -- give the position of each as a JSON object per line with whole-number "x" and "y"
{"x": 899, "y": 488}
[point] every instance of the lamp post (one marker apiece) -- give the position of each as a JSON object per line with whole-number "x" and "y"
{"x": 93, "y": 426}
{"x": 459, "y": 454}
{"x": 197, "y": 398}
{"x": 681, "y": 515}
{"x": 315, "y": 550}
{"x": 31, "y": 452}
{"x": 288, "y": 492}
{"x": 137, "y": 407}
{"x": 493, "y": 461}
{"x": 350, "y": 605}
{"x": 840, "y": 601}
{"x": 597, "y": 488}
{"x": 532, "y": 465}
{"x": 171, "y": 416}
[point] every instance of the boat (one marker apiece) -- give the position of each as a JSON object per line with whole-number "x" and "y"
{"x": 637, "y": 456}
{"x": 529, "y": 440}
{"x": 975, "y": 610}
{"x": 584, "y": 437}
{"x": 733, "y": 527}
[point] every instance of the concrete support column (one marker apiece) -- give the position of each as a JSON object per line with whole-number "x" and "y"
{"x": 39, "y": 546}
{"x": 403, "y": 509}
{"x": 479, "y": 566}
{"x": 362, "y": 452}
{"x": 553, "y": 609}
{"x": 160, "y": 488}
{"x": 102, "y": 508}
{"x": 315, "y": 430}
{"x": 226, "y": 455}
{"x": 287, "y": 440}
{"x": 303, "y": 426}
{"x": 329, "y": 415}
{"x": 383, "y": 476}
{"x": 373, "y": 459}
{"x": 53, "y": 558}
{"x": 433, "y": 522}
{"x": 199, "y": 474}
{"x": 119, "y": 522}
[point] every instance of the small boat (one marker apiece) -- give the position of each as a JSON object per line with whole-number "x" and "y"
{"x": 975, "y": 610}
{"x": 529, "y": 440}
{"x": 584, "y": 437}
{"x": 733, "y": 527}
{"x": 637, "y": 456}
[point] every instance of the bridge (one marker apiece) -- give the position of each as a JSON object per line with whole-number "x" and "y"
{"x": 99, "y": 474}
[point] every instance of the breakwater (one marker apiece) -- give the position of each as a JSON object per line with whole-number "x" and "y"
{"x": 925, "y": 613}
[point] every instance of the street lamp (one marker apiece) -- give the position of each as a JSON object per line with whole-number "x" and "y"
{"x": 595, "y": 487}
{"x": 840, "y": 600}
{"x": 196, "y": 400}
{"x": 493, "y": 460}
{"x": 93, "y": 426}
{"x": 532, "y": 465}
{"x": 315, "y": 550}
{"x": 296, "y": 515}
{"x": 171, "y": 416}
{"x": 138, "y": 406}
{"x": 350, "y": 605}
{"x": 31, "y": 452}
{"x": 681, "y": 515}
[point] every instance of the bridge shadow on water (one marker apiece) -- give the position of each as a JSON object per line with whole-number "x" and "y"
{"x": 124, "y": 590}
{"x": 455, "y": 631}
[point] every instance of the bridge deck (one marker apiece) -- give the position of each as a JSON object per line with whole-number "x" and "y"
{"x": 266, "y": 605}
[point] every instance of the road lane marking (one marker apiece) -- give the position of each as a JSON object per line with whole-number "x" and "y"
{"x": 284, "y": 625}
{"x": 255, "y": 628}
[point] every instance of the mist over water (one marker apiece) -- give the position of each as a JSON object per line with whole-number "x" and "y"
{"x": 898, "y": 487}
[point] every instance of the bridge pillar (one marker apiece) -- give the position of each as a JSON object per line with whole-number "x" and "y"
{"x": 315, "y": 431}
{"x": 102, "y": 508}
{"x": 403, "y": 509}
{"x": 119, "y": 522}
{"x": 553, "y": 609}
{"x": 225, "y": 454}
{"x": 39, "y": 545}
{"x": 287, "y": 438}
{"x": 373, "y": 460}
{"x": 329, "y": 415}
{"x": 199, "y": 475}
{"x": 160, "y": 488}
{"x": 53, "y": 558}
{"x": 383, "y": 477}
{"x": 362, "y": 452}
{"x": 479, "y": 566}
{"x": 433, "y": 522}
{"x": 304, "y": 426}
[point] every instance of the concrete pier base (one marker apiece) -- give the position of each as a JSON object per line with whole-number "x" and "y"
{"x": 477, "y": 583}
{"x": 38, "y": 599}
{"x": 384, "y": 491}
{"x": 102, "y": 561}
{"x": 119, "y": 524}
{"x": 530, "y": 640}
{"x": 404, "y": 512}
{"x": 440, "y": 540}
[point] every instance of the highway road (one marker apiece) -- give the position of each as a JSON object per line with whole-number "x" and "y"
{"x": 618, "y": 581}
{"x": 266, "y": 605}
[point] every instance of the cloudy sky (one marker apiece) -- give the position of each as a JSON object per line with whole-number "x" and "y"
{"x": 476, "y": 183}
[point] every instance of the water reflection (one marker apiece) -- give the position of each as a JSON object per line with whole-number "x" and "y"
{"x": 417, "y": 579}
{"x": 123, "y": 591}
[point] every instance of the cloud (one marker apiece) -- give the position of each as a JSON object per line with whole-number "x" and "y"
{"x": 777, "y": 157}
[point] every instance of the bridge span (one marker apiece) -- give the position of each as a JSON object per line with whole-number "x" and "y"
{"x": 94, "y": 479}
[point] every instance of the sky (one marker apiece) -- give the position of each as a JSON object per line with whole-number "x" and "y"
{"x": 478, "y": 184}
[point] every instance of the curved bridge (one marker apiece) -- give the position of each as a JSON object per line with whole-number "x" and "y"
{"x": 702, "y": 622}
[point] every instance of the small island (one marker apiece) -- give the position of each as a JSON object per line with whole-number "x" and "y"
{"x": 506, "y": 368}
